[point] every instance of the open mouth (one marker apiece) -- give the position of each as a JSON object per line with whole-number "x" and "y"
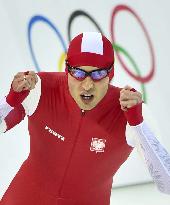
{"x": 87, "y": 98}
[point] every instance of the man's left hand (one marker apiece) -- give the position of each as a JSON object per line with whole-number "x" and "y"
{"x": 129, "y": 98}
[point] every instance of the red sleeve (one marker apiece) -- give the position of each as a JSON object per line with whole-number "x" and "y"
{"x": 15, "y": 98}
{"x": 15, "y": 117}
{"x": 134, "y": 115}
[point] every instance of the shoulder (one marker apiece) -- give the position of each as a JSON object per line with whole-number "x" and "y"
{"x": 114, "y": 91}
{"x": 112, "y": 97}
{"x": 52, "y": 79}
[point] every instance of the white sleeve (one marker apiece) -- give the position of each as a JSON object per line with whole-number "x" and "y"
{"x": 5, "y": 109}
{"x": 30, "y": 103}
{"x": 3, "y": 126}
{"x": 155, "y": 155}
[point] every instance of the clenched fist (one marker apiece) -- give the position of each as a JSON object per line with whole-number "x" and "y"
{"x": 129, "y": 98}
{"x": 24, "y": 81}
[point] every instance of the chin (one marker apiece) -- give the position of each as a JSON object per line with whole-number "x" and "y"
{"x": 87, "y": 107}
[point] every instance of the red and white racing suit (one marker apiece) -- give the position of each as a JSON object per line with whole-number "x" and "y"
{"x": 74, "y": 154}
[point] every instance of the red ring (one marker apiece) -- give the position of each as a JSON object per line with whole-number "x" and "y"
{"x": 151, "y": 73}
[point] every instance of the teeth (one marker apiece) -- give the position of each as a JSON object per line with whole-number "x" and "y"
{"x": 86, "y": 96}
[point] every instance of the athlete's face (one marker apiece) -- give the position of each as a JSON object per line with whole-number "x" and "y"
{"x": 87, "y": 93}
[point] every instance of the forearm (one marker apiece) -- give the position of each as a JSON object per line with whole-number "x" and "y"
{"x": 156, "y": 156}
{"x": 16, "y": 105}
{"x": 12, "y": 100}
{"x": 8, "y": 104}
{"x": 22, "y": 84}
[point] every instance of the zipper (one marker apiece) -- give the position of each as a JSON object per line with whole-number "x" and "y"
{"x": 82, "y": 112}
{"x": 76, "y": 138}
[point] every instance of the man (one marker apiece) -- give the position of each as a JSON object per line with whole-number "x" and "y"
{"x": 77, "y": 123}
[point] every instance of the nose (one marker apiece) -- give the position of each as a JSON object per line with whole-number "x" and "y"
{"x": 87, "y": 83}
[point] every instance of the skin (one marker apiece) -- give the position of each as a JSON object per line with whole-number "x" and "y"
{"x": 24, "y": 82}
{"x": 98, "y": 89}
{"x": 129, "y": 98}
{"x": 87, "y": 86}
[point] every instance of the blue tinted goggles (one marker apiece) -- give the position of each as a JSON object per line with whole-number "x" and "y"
{"x": 81, "y": 74}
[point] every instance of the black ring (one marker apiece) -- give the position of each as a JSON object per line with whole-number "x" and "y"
{"x": 80, "y": 13}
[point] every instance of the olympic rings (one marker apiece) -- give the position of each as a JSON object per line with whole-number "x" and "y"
{"x": 34, "y": 20}
{"x": 118, "y": 49}
{"x": 61, "y": 61}
{"x": 151, "y": 73}
{"x": 77, "y": 13}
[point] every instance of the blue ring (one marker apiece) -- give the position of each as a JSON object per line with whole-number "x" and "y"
{"x": 33, "y": 20}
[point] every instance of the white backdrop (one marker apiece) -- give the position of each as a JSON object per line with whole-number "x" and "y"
{"x": 15, "y": 56}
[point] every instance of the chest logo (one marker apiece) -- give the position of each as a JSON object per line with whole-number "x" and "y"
{"x": 97, "y": 145}
{"x": 54, "y": 133}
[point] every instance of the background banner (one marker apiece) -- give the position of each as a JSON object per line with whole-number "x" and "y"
{"x": 34, "y": 35}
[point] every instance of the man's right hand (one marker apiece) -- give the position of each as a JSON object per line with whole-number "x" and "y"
{"x": 24, "y": 81}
